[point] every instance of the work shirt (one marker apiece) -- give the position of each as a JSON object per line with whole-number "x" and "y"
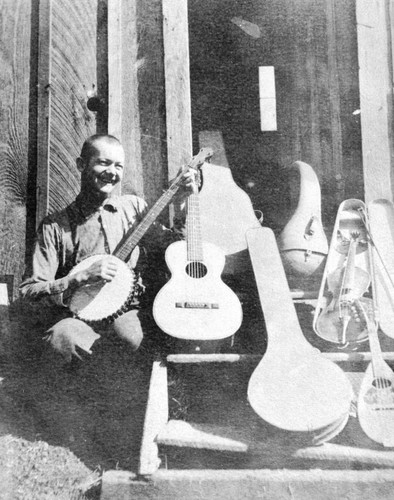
{"x": 67, "y": 237}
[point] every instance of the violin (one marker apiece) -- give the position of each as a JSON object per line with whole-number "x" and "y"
{"x": 342, "y": 321}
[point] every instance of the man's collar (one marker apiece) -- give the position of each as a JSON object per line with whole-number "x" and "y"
{"x": 87, "y": 206}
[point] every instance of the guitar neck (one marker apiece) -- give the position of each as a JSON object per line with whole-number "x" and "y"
{"x": 133, "y": 236}
{"x": 193, "y": 229}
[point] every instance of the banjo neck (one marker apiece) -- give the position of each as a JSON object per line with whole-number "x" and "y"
{"x": 133, "y": 236}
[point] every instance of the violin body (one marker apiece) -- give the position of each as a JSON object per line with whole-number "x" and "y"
{"x": 346, "y": 279}
{"x": 329, "y": 323}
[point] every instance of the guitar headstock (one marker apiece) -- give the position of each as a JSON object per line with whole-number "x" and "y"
{"x": 205, "y": 154}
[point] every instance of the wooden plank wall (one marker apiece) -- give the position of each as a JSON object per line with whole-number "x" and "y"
{"x": 313, "y": 46}
{"x": 15, "y": 35}
{"x": 73, "y": 77}
{"x": 375, "y": 25}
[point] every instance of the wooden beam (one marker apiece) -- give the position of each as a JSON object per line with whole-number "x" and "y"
{"x": 177, "y": 75}
{"x": 334, "y": 102}
{"x": 374, "y": 33}
{"x": 128, "y": 111}
{"x": 156, "y": 417}
{"x": 115, "y": 67}
{"x": 43, "y": 107}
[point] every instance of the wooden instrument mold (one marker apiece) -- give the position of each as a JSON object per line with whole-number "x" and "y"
{"x": 302, "y": 243}
{"x": 104, "y": 301}
{"x": 293, "y": 388}
{"x": 338, "y": 317}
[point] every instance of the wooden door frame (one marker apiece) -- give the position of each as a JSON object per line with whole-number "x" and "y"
{"x": 375, "y": 35}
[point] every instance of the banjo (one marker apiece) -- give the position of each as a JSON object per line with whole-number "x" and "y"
{"x": 105, "y": 301}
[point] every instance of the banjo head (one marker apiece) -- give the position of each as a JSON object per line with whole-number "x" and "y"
{"x": 307, "y": 395}
{"x": 101, "y": 300}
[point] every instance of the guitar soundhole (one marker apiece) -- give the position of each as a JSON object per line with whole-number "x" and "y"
{"x": 381, "y": 383}
{"x": 196, "y": 269}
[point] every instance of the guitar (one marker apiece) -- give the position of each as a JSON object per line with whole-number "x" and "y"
{"x": 342, "y": 321}
{"x": 105, "y": 301}
{"x": 293, "y": 388}
{"x": 196, "y": 304}
{"x": 375, "y": 407}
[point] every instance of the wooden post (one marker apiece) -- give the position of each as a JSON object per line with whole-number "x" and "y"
{"x": 375, "y": 46}
{"x": 115, "y": 67}
{"x": 44, "y": 107}
{"x": 177, "y": 75}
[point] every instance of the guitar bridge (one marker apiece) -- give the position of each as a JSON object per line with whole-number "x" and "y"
{"x": 196, "y": 305}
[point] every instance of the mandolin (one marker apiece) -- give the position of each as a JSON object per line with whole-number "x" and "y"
{"x": 196, "y": 304}
{"x": 293, "y": 387}
{"x": 375, "y": 405}
{"x": 105, "y": 301}
{"x": 342, "y": 321}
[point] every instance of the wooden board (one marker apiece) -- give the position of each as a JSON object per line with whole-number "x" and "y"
{"x": 15, "y": 189}
{"x": 176, "y": 63}
{"x": 375, "y": 37}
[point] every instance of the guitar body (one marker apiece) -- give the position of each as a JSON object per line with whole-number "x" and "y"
{"x": 375, "y": 406}
{"x": 197, "y": 305}
{"x": 102, "y": 301}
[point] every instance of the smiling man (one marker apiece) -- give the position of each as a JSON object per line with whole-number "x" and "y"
{"x": 93, "y": 224}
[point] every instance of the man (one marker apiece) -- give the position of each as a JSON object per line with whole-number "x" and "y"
{"x": 93, "y": 224}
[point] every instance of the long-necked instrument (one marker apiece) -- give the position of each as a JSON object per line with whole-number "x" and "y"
{"x": 293, "y": 387}
{"x": 104, "y": 301}
{"x": 196, "y": 304}
{"x": 375, "y": 406}
{"x": 381, "y": 222}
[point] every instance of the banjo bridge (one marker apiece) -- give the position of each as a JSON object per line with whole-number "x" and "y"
{"x": 196, "y": 305}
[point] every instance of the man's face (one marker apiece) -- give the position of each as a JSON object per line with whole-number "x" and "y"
{"x": 104, "y": 170}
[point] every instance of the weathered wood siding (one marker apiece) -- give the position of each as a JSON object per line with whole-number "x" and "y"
{"x": 14, "y": 131}
{"x": 73, "y": 77}
{"x": 313, "y": 46}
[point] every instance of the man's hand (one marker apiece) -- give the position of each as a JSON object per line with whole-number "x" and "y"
{"x": 188, "y": 185}
{"x": 102, "y": 270}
